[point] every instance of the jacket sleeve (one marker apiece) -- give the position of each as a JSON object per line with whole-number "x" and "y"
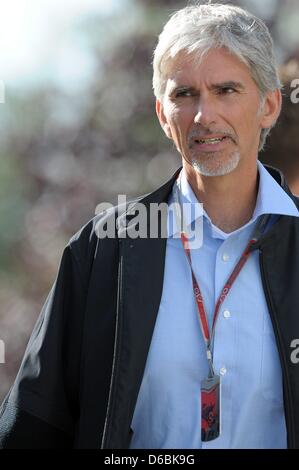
{"x": 42, "y": 407}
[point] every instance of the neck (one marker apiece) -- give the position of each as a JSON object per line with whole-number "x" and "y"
{"x": 229, "y": 200}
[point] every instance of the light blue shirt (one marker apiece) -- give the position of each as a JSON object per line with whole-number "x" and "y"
{"x": 168, "y": 409}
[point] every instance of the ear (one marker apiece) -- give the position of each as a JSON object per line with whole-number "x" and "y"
{"x": 162, "y": 119}
{"x": 271, "y": 108}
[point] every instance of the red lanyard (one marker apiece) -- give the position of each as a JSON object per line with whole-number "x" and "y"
{"x": 198, "y": 295}
{"x": 228, "y": 285}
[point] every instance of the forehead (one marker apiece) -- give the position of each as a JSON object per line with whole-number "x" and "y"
{"x": 215, "y": 65}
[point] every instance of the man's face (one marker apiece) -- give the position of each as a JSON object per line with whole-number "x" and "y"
{"x": 216, "y": 100}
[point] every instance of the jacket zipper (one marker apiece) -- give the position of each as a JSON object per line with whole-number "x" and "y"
{"x": 288, "y": 402}
{"x": 107, "y": 426}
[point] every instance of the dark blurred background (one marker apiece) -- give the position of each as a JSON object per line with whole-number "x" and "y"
{"x": 78, "y": 127}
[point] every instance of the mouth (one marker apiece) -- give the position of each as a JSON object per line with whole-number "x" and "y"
{"x": 211, "y": 143}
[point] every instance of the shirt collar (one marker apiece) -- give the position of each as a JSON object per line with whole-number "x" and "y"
{"x": 271, "y": 199}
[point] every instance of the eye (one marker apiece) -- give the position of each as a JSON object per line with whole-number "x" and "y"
{"x": 227, "y": 90}
{"x": 183, "y": 93}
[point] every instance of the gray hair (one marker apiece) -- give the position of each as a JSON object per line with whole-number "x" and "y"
{"x": 199, "y": 28}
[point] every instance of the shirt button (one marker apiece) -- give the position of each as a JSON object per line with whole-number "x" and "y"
{"x": 225, "y": 257}
{"x": 223, "y": 371}
{"x": 226, "y": 313}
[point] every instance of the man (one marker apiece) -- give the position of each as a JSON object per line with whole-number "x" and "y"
{"x": 138, "y": 333}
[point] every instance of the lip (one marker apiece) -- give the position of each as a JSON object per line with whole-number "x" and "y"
{"x": 211, "y": 147}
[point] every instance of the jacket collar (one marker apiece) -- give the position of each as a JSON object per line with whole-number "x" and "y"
{"x": 162, "y": 193}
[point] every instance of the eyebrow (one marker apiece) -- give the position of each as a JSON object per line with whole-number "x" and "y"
{"x": 214, "y": 86}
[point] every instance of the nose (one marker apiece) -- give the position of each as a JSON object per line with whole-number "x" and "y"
{"x": 205, "y": 113}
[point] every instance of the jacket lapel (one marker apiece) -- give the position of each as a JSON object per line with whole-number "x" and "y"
{"x": 142, "y": 275}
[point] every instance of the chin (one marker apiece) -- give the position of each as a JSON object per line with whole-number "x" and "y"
{"x": 210, "y": 166}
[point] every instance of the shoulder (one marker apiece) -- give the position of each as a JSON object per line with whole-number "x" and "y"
{"x": 85, "y": 243}
{"x": 97, "y": 240}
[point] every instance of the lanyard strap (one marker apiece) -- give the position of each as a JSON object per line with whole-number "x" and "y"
{"x": 208, "y": 338}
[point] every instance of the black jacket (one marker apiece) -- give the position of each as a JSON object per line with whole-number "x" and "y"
{"x": 79, "y": 380}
